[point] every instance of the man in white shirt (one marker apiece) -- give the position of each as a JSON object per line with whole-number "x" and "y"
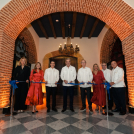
{"x": 68, "y": 75}
{"x": 85, "y": 75}
{"x": 51, "y": 77}
{"x": 118, "y": 88}
{"x": 107, "y": 75}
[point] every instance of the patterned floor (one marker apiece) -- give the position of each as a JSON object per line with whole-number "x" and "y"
{"x": 79, "y": 122}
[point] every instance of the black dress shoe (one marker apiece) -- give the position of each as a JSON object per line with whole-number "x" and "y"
{"x": 48, "y": 110}
{"x": 122, "y": 113}
{"x": 54, "y": 109}
{"x": 72, "y": 110}
{"x": 63, "y": 110}
{"x": 115, "y": 110}
{"x": 15, "y": 113}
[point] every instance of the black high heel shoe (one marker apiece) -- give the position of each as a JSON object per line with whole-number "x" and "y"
{"x": 33, "y": 112}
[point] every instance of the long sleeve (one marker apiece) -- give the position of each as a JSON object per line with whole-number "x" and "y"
{"x": 31, "y": 76}
{"x": 46, "y": 75}
{"x": 15, "y": 73}
{"x": 42, "y": 75}
{"x": 78, "y": 76}
{"x": 90, "y": 76}
{"x": 74, "y": 75}
{"x": 28, "y": 73}
{"x": 57, "y": 76}
{"x": 120, "y": 76}
{"x": 62, "y": 74}
{"x": 102, "y": 76}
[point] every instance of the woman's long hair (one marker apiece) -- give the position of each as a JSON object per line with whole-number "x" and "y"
{"x": 97, "y": 66}
{"x": 22, "y": 59}
{"x": 36, "y": 67}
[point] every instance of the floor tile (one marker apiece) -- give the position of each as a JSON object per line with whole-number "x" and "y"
{"x": 82, "y": 125}
{"x": 129, "y": 123}
{"x": 116, "y": 132}
{"x": 21, "y": 115}
{"x": 48, "y": 120}
{"x": 57, "y": 125}
{"x": 129, "y": 117}
{"x": 92, "y": 120}
{"x": 71, "y": 130}
{"x": 107, "y": 124}
{"x": 99, "y": 130}
{"x": 26, "y": 119}
{"x": 8, "y": 124}
{"x": 124, "y": 129}
{"x": 42, "y": 130}
{"x": 56, "y": 132}
{"x": 85, "y": 132}
{"x": 33, "y": 124}
{"x": 70, "y": 120}
{"x": 14, "y": 130}
{"x": 115, "y": 119}
{"x": 80, "y": 116}
{"x": 60, "y": 116}
{"x": 26, "y": 132}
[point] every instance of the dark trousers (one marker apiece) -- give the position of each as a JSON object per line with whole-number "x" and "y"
{"x": 119, "y": 98}
{"x": 88, "y": 89}
{"x": 71, "y": 94}
{"x": 50, "y": 90}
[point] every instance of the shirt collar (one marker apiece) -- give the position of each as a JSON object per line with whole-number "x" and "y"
{"x": 104, "y": 70}
{"x": 116, "y": 68}
{"x": 68, "y": 67}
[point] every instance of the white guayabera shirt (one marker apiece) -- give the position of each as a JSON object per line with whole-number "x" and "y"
{"x": 51, "y": 76}
{"x": 85, "y": 75}
{"x": 69, "y": 74}
{"x": 107, "y": 74}
{"x": 118, "y": 77}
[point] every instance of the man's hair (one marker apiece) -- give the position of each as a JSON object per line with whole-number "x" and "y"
{"x": 83, "y": 60}
{"x": 52, "y": 61}
{"x": 68, "y": 59}
{"x": 104, "y": 63}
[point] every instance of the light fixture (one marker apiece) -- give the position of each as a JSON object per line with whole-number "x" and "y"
{"x": 57, "y": 20}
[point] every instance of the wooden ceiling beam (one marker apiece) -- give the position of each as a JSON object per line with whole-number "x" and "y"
{"x": 42, "y": 28}
{"x": 93, "y": 28}
{"x": 74, "y": 24}
{"x": 52, "y": 26}
{"x": 62, "y": 24}
{"x": 84, "y": 26}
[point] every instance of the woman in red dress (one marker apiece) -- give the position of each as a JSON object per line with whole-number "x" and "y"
{"x": 98, "y": 90}
{"x": 35, "y": 95}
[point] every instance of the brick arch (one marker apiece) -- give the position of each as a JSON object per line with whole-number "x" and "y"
{"x": 32, "y": 58}
{"x": 17, "y": 14}
{"x": 107, "y": 41}
{"x": 55, "y": 54}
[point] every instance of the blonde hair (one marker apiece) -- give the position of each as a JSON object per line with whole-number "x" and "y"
{"x": 97, "y": 66}
{"x": 22, "y": 59}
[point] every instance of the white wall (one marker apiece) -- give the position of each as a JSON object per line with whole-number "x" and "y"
{"x": 101, "y": 37}
{"x": 88, "y": 48}
{"x": 4, "y": 2}
{"x": 35, "y": 37}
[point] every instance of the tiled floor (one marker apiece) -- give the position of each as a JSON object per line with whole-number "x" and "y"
{"x": 79, "y": 122}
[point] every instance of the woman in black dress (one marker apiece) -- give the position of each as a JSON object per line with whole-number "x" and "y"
{"x": 21, "y": 73}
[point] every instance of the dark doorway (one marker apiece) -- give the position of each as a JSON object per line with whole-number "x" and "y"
{"x": 117, "y": 55}
{"x": 59, "y": 63}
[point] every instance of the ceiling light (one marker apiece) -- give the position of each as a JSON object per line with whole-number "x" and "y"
{"x": 57, "y": 20}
